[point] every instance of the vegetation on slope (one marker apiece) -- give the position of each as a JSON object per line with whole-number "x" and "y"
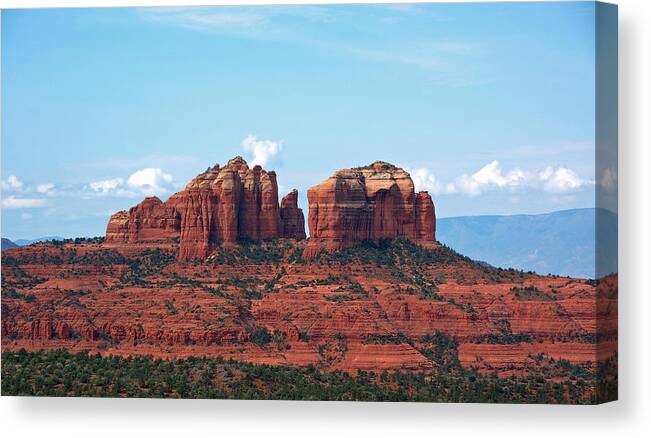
{"x": 59, "y": 373}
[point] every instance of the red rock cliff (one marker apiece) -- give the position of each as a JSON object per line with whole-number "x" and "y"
{"x": 373, "y": 202}
{"x": 219, "y": 206}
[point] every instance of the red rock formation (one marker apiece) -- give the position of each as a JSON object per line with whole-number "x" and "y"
{"x": 219, "y": 206}
{"x": 372, "y": 202}
{"x": 292, "y": 221}
{"x": 269, "y": 218}
{"x": 425, "y": 217}
{"x": 149, "y": 220}
{"x": 117, "y": 229}
{"x": 209, "y": 207}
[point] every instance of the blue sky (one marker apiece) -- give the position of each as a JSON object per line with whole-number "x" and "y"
{"x": 489, "y": 106}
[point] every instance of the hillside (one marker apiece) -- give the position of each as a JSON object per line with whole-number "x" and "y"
{"x": 389, "y": 307}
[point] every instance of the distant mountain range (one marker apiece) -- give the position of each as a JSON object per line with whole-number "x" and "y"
{"x": 23, "y": 242}
{"x": 561, "y": 242}
{"x": 6, "y": 243}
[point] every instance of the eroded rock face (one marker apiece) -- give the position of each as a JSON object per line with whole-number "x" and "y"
{"x": 292, "y": 221}
{"x": 368, "y": 203}
{"x": 148, "y": 221}
{"x": 219, "y": 206}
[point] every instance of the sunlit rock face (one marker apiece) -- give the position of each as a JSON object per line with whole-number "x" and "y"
{"x": 368, "y": 203}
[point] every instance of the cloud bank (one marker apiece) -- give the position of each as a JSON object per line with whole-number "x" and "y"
{"x": 17, "y": 187}
{"x": 491, "y": 178}
{"x": 11, "y": 202}
{"x": 150, "y": 181}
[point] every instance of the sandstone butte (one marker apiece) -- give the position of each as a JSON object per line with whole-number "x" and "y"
{"x": 220, "y": 206}
{"x": 368, "y": 203}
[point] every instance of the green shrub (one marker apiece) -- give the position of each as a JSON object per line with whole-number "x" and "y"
{"x": 260, "y": 336}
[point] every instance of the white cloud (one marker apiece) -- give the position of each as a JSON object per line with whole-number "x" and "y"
{"x": 149, "y": 181}
{"x": 427, "y": 181}
{"x": 11, "y": 202}
{"x": 45, "y": 188}
{"x": 106, "y": 186}
{"x": 262, "y": 151}
{"x": 490, "y": 176}
{"x": 12, "y": 183}
{"x": 608, "y": 181}
{"x": 561, "y": 180}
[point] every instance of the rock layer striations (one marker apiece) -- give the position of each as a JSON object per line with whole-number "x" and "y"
{"x": 219, "y": 206}
{"x": 368, "y": 203}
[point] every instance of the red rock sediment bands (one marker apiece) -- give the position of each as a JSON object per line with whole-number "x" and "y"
{"x": 368, "y": 203}
{"x": 219, "y": 206}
